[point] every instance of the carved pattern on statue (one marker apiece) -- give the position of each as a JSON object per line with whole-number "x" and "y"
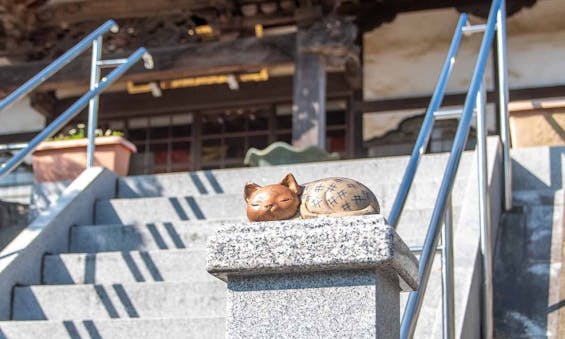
{"x": 328, "y": 197}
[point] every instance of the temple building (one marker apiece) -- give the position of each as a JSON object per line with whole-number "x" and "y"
{"x": 353, "y": 77}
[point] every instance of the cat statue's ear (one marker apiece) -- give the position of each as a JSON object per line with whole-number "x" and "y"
{"x": 250, "y": 187}
{"x": 291, "y": 183}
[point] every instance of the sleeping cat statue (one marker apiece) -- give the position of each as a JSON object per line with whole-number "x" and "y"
{"x": 329, "y": 197}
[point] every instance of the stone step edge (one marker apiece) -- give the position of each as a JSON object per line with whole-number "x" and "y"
{"x": 110, "y": 253}
{"x": 33, "y": 322}
{"x": 124, "y": 285}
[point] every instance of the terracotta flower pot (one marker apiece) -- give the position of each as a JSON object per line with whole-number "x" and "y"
{"x": 537, "y": 123}
{"x": 66, "y": 159}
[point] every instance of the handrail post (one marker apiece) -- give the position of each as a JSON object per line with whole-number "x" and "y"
{"x": 484, "y": 214}
{"x": 71, "y": 112}
{"x": 502, "y": 63}
{"x": 448, "y": 285}
{"x": 56, "y": 65}
{"x": 93, "y": 103}
{"x": 414, "y": 303}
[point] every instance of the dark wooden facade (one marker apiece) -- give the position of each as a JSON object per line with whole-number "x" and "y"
{"x": 209, "y": 126}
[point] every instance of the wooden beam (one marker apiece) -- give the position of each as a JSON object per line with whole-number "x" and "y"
{"x": 74, "y": 11}
{"x": 44, "y": 103}
{"x": 276, "y": 90}
{"x": 397, "y": 104}
{"x": 241, "y": 55}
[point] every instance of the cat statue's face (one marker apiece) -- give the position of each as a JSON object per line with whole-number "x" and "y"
{"x": 273, "y": 202}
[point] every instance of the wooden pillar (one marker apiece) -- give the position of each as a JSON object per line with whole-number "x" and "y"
{"x": 325, "y": 41}
{"x": 309, "y": 98}
{"x": 354, "y": 127}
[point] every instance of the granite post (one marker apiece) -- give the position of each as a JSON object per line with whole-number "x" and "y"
{"x": 324, "y": 277}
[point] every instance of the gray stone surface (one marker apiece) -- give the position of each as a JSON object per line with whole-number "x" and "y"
{"x": 44, "y": 195}
{"x": 132, "y": 300}
{"x": 232, "y": 205}
{"x": 151, "y": 236}
{"x": 125, "y": 267}
{"x": 20, "y": 261}
{"x": 371, "y": 172}
{"x": 168, "y": 237}
{"x": 545, "y": 172}
{"x": 466, "y": 244}
{"x": 345, "y": 304}
{"x": 311, "y": 245}
{"x": 211, "y": 328}
{"x": 314, "y": 278}
{"x": 529, "y": 259}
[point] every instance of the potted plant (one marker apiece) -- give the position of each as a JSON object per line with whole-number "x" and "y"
{"x": 64, "y": 156}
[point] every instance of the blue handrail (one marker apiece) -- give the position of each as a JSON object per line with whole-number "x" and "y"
{"x": 56, "y": 65}
{"x": 427, "y": 124}
{"x": 93, "y": 39}
{"x": 496, "y": 17}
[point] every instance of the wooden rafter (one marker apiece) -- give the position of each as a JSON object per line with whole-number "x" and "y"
{"x": 70, "y": 12}
{"x": 276, "y": 90}
{"x": 242, "y": 55}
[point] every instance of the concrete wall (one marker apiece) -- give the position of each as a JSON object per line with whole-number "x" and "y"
{"x": 21, "y": 260}
{"x": 21, "y": 117}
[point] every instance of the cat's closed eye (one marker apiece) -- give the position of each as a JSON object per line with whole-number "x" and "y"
{"x": 284, "y": 199}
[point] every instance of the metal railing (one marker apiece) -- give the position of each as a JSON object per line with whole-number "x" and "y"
{"x": 475, "y": 102}
{"x": 90, "y": 98}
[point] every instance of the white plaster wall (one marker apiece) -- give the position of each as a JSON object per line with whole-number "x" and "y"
{"x": 20, "y": 118}
{"x": 403, "y": 58}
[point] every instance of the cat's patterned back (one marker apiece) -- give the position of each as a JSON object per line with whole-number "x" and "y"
{"x": 336, "y": 197}
{"x": 329, "y": 197}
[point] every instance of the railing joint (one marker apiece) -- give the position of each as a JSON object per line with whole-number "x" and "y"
{"x": 111, "y": 63}
{"x": 472, "y": 29}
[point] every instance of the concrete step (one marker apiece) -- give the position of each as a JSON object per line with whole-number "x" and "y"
{"x": 194, "y": 234}
{"x": 145, "y": 237}
{"x": 128, "y": 300}
{"x": 126, "y": 267}
{"x": 538, "y": 168}
{"x": 538, "y": 197}
{"x": 232, "y": 206}
{"x": 115, "y": 328}
{"x": 372, "y": 172}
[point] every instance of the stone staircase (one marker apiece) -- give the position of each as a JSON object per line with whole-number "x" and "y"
{"x": 138, "y": 270}
{"x": 529, "y": 282}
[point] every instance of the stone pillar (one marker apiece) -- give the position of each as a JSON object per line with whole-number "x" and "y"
{"x": 309, "y": 97}
{"x": 325, "y": 277}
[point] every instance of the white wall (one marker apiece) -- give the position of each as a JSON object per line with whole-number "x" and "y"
{"x": 20, "y": 118}
{"x": 403, "y": 58}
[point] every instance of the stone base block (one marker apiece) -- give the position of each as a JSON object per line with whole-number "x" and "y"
{"x": 351, "y": 304}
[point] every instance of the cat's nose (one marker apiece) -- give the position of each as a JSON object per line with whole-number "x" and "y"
{"x": 268, "y": 206}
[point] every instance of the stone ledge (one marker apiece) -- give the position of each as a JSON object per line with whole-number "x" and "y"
{"x": 311, "y": 245}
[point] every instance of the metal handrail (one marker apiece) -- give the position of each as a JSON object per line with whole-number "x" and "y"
{"x": 90, "y": 97}
{"x": 475, "y": 99}
{"x": 56, "y": 65}
{"x": 427, "y": 125}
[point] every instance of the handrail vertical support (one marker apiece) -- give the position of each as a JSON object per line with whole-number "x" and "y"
{"x": 484, "y": 215}
{"x": 93, "y": 103}
{"x": 448, "y": 284}
{"x": 502, "y": 65}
